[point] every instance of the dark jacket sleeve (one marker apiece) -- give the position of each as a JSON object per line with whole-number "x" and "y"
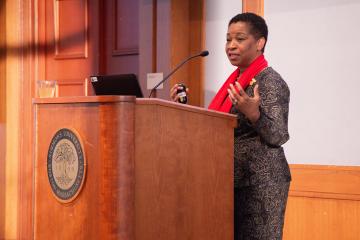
{"x": 272, "y": 125}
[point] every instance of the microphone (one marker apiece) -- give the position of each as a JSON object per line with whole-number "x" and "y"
{"x": 202, "y": 54}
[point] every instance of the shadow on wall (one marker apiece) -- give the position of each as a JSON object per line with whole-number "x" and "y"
{"x": 9, "y": 50}
{"x": 42, "y": 48}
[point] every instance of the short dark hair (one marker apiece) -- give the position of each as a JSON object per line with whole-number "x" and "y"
{"x": 257, "y": 24}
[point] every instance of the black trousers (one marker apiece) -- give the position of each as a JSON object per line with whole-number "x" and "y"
{"x": 260, "y": 210}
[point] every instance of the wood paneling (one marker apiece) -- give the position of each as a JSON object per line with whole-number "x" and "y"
{"x": 72, "y": 87}
{"x": 126, "y": 24}
{"x": 2, "y": 115}
{"x": 333, "y": 182}
{"x": 26, "y": 83}
{"x": 138, "y": 182}
{"x": 104, "y": 209}
{"x": 2, "y": 62}
{"x": 197, "y": 43}
{"x": 120, "y": 43}
{"x": 180, "y": 179}
{"x": 180, "y": 41}
{"x": 187, "y": 38}
{"x": 71, "y": 28}
{"x": 13, "y": 78}
{"x": 65, "y": 27}
{"x": 2, "y": 180}
{"x": 324, "y": 203}
{"x": 254, "y": 6}
{"x": 36, "y": 55}
{"x": 154, "y": 38}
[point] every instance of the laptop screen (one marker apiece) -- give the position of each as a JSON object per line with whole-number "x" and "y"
{"x": 120, "y": 84}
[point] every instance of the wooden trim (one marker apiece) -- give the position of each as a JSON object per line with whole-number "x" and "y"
{"x": 2, "y": 60}
{"x": 122, "y": 51}
{"x": 154, "y": 48}
{"x": 187, "y": 38}
{"x": 254, "y": 6}
{"x": 185, "y": 107}
{"x": 125, "y": 52}
{"x": 2, "y": 115}
{"x": 84, "y": 99}
{"x": 27, "y": 76}
{"x": 331, "y": 182}
{"x": 21, "y": 72}
{"x": 15, "y": 31}
{"x": 102, "y": 32}
{"x": 13, "y": 69}
{"x": 154, "y": 36}
{"x": 324, "y": 203}
{"x": 197, "y": 44}
{"x": 179, "y": 40}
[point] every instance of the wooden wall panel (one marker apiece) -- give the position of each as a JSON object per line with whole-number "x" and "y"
{"x": 26, "y": 58}
{"x": 19, "y": 76}
{"x": 324, "y": 203}
{"x": 2, "y": 61}
{"x": 2, "y": 114}
{"x": 333, "y": 182}
{"x": 120, "y": 43}
{"x": 180, "y": 40}
{"x": 125, "y": 22}
{"x": 197, "y": 44}
{"x": 254, "y": 6}
{"x": 72, "y": 87}
{"x": 319, "y": 219}
{"x": 12, "y": 148}
{"x": 71, "y": 27}
{"x": 65, "y": 27}
{"x": 2, "y": 180}
{"x": 187, "y": 38}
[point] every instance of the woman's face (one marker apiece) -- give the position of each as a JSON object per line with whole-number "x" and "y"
{"x": 241, "y": 46}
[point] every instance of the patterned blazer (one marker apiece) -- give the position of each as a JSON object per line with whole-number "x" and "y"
{"x": 259, "y": 157}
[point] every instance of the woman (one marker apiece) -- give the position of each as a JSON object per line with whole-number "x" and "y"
{"x": 259, "y": 97}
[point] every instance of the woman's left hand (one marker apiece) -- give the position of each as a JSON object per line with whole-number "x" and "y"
{"x": 249, "y": 106}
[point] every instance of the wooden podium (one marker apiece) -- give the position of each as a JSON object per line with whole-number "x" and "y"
{"x": 153, "y": 170}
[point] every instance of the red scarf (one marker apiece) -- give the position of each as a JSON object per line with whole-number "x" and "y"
{"x": 221, "y": 101}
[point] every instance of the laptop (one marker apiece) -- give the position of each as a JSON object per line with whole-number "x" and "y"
{"x": 119, "y": 84}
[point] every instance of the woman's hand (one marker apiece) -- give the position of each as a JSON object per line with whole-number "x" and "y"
{"x": 173, "y": 92}
{"x": 249, "y": 106}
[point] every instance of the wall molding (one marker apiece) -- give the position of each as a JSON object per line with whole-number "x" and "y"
{"x": 117, "y": 49}
{"x": 321, "y": 181}
{"x": 71, "y": 87}
{"x": 254, "y": 6}
{"x": 188, "y": 18}
{"x": 60, "y": 53}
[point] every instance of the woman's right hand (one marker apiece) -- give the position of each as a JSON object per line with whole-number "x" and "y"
{"x": 173, "y": 92}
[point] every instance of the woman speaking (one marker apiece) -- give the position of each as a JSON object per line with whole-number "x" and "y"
{"x": 259, "y": 97}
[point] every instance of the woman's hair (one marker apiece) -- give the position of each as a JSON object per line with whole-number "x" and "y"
{"x": 257, "y": 24}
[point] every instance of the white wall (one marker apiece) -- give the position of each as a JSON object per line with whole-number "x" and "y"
{"x": 217, "y": 66}
{"x": 315, "y": 46}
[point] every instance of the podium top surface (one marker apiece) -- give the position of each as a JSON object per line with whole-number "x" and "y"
{"x": 137, "y": 101}
{"x": 185, "y": 107}
{"x": 84, "y": 99}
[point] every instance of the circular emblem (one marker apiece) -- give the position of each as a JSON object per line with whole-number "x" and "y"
{"x": 66, "y": 165}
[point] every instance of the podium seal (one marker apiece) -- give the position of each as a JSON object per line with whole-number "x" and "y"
{"x": 66, "y": 165}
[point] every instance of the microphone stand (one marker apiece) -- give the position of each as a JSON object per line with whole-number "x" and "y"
{"x": 203, "y": 54}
